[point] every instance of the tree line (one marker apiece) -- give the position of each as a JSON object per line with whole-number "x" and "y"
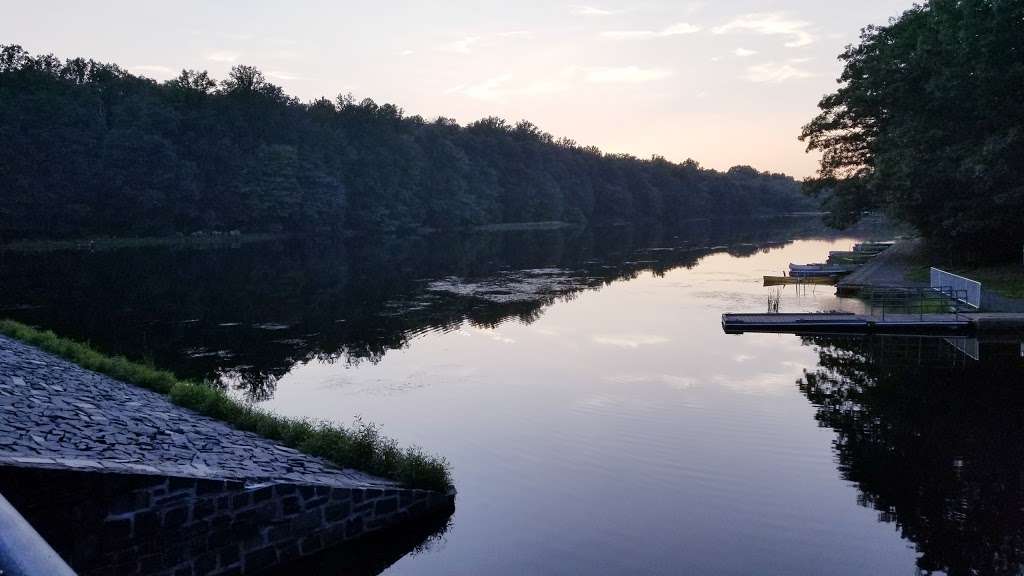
{"x": 928, "y": 125}
{"x": 90, "y": 149}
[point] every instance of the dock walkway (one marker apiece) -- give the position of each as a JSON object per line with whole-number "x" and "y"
{"x": 842, "y": 322}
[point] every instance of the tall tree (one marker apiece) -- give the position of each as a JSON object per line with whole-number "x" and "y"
{"x": 928, "y": 125}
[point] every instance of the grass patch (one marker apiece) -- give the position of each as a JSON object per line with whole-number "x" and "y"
{"x": 1006, "y": 279}
{"x": 918, "y": 273}
{"x": 362, "y": 447}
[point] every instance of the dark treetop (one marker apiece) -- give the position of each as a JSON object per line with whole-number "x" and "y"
{"x": 90, "y": 149}
{"x": 928, "y": 124}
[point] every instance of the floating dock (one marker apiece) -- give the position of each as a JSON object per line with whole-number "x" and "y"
{"x": 846, "y": 323}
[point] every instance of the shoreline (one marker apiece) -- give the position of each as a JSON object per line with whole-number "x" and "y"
{"x": 362, "y": 448}
{"x": 220, "y": 239}
{"x": 906, "y": 264}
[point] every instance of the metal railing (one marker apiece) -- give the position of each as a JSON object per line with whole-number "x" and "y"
{"x": 971, "y": 289}
{"x": 916, "y": 301}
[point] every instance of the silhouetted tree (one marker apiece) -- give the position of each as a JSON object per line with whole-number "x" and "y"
{"x": 928, "y": 125}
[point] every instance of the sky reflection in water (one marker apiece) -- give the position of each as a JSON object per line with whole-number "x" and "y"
{"x": 623, "y": 432}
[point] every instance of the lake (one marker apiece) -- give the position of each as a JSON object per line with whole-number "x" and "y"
{"x": 597, "y": 418}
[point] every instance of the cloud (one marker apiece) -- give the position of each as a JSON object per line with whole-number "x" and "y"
{"x": 406, "y": 52}
{"x": 526, "y": 34}
{"x": 629, "y": 34}
{"x": 505, "y": 85}
{"x": 286, "y": 54}
{"x": 498, "y": 87}
{"x": 592, "y": 11}
{"x": 468, "y": 44}
{"x": 775, "y": 73}
{"x": 280, "y": 75}
{"x": 743, "y": 52}
{"x": 629, "y": 340}
{"x": 691, "y": 7}
{"x": 677, "y": 29}
{"x": 771, "y": 25}
{"x": 152, "y": 70}
{"x": 626, "y": 75}
{"x": 489, "y": 89}
{"x": 222, "y": 56}
{"x": 462, "y": 45}
{"x": 542, "y": 87}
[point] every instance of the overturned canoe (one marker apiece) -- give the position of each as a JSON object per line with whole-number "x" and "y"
{"x": 849, "y": 254}
{"x": 872, "y": 246}
{"x": 818, "y": 270}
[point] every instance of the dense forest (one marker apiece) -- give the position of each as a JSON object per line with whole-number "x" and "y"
{"x": 928, "y": 125}
{"x": 90, "y": 149}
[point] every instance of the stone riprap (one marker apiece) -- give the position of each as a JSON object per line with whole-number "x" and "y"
{"x": 58, "y": 414}
{"x": 170, "y": 491}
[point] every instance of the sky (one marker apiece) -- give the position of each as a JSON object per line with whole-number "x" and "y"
{"x": 724, "y": 82}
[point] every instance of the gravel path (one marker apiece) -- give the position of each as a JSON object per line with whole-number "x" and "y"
{"x": 55, "y": 414}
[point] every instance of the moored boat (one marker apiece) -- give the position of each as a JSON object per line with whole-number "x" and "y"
{"x": 870, "y": 247}
{"x": 818, "y": 270}
{"x": 799, "y": 280}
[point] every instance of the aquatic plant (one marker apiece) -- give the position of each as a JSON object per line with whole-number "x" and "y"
{"x": 361, "y": 446}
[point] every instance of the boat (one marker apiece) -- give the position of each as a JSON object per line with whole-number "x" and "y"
{"x": 853, "y": 254}
{"x": 804, "y": 270}
{"x": 874, "y": 247}
{"x": 837, "y": 257}
{"x": 799, "y": 280}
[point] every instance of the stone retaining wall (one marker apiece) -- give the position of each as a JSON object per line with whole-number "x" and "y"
{"x": 112, "y": 524}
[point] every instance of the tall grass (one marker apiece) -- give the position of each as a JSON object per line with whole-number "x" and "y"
{"x": 362, "y": 446}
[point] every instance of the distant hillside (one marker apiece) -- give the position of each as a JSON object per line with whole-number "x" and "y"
{"x": 90, "y": 149}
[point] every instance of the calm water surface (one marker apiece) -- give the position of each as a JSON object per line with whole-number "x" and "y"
{"x": 623, "y": 432}
{"x": 597, "y": 418}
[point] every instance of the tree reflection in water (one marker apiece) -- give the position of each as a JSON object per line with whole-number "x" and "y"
{"x": 245, "y": 315}
{"x": 934, "y": 441}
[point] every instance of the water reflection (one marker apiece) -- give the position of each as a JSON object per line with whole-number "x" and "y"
{"x": 934, "y": 441}
{"x": 373, "y": 554}
{"x": 70, "y": 510}
{"x": 595, "y": 425}
{"x": 245, "y": 315}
